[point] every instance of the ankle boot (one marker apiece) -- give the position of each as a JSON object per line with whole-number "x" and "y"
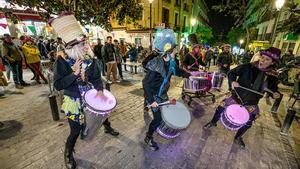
{"x": 69, "y": 159}
{"x": 209, "y": 125}
{"x": 110, "y": 130}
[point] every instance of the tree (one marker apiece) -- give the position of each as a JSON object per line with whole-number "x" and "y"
{"x": 204, "y": 33}
{"x": 245, "y": 12}
{"x": 235, "y": 34}
{"x": 292, "y": 24}
{"x": 95, "y": 12}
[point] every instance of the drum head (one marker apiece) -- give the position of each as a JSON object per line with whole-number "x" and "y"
{"x": 176, "y": 116}
{"x": 94, "y": 102}
{"x": 237, "y": 114}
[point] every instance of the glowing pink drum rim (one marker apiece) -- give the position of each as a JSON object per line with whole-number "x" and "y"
{"x": 99, "y": 111}
{"x": 175, "y": 118}
{"x": 230, "y": 119}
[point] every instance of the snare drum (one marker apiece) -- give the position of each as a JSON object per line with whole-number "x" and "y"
{"x": 234, "y": 116}
{"x": 197, "y": 84}
{"x": 96, "y": 110}
{"x": 216, "y": 80}
{"x": 175, "y": 118}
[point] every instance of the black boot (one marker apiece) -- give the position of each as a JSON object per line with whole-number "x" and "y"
{"x": 239, "y": 141}
{"x": 110, "y": 130}
{"x": 209, "y": 125}
{"x": 151, "y": 143}
{"x": 69, "y": 159}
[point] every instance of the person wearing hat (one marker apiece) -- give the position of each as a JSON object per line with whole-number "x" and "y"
{"x": 256, "y": 76}
{"x": 12, "y": 55}
{"x": 157, "y": 80}
{"x": 33, "y": 59}
{"x": 193, "y": 60}
{"x": 224, "y": 61}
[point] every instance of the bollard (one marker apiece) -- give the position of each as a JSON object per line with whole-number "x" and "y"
{"x": 288, "y": 121}
{"x": 53, "y": 107}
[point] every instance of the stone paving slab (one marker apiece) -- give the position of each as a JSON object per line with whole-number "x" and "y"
{"x": 39, "y": 141}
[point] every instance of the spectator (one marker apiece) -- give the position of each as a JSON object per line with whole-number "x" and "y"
{"x": 42, "y": 47}
{"x": 183, "y": 51}
{"x": 12, "y": 55}
{"x": 118, "y": 58}
{"x": 60, "y": 44}
{"x": 133, "y": 53}
{"x": 109, "y": 56}
{"x": 123, "y": 52}
{"x": 209, "y": 55}
{"x": 225, "y": 60}
{"x": 97, "y": 51}
{"x": 32, "y": 55}
{"x": 216, "y": 53}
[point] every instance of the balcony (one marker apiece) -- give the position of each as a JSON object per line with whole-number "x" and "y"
{"x": 168, "y": 1}
{"x": 177, "y": 3}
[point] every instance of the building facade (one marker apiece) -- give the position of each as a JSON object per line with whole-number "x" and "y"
{"x": 173, "y": 14}
{"x": 282, "y": 40}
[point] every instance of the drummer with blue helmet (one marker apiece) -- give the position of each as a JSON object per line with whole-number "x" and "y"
{"x": 157, "y": 80}
{"x": 249, "y": 81}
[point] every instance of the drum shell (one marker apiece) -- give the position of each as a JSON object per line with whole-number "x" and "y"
{"x": 196, "y": 85}
{"x": 217, "y": 80}
{"x": 93, "y": 122}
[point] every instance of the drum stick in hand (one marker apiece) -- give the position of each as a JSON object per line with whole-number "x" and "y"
{"x": 173, "y": 102}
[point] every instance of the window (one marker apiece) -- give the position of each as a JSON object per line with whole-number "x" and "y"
{"x": 184, "y": 22}
{"x": 177, "y": 3}
{"x": 176, "y": 19}
{"x": 165, "y": 16}
{"x": 138, "y": 41}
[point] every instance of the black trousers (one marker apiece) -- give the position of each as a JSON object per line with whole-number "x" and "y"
{"x": 119, "y": 65}
{"x": 75, "y": 129}
{"x": 242, "y": 130}
{"x": 124, "y": 60}
{"x": 155, "y": 122}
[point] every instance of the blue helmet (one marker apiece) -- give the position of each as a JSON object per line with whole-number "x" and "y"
{"x": 164, "y": 40}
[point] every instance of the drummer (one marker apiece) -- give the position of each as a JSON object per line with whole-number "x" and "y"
{"x": 157, "y": 80}
{"x": 255, "y": 76}
{"x": 65, "y": 78}
{"x": 193, "y": 59}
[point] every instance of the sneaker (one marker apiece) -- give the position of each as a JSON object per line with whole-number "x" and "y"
{"x": 151, "y": 143}
{"x": 118, "y": 81}
{"x": 111, "y": 131}
{"x": 109, "y": 82}
{"x": 239, "y": 141}
{"x": 25, "y": 84}
{"x": 209, "y": 125}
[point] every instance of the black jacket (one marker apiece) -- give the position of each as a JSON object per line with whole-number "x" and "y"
{"x": 190, "y": 60}
{"x": 246, "y": 75}
{"x": 154, "y": 78}
{"x": 64, "y": 79}
{"x": 224, "y": 58}
{"x": 97, "y": 51}
{"x": 108, "y": 52}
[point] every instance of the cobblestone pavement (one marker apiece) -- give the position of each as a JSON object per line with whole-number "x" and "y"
{"x": 35, "y": 141}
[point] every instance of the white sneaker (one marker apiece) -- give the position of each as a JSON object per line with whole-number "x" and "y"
{"x": 109, "y": 82}
{"x": 118, "y": 81}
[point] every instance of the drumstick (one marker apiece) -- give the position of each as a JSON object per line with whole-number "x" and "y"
{"x": 173, "y": 102}
{"x": 268, "y": 90}
{"x": 250, "y": 90}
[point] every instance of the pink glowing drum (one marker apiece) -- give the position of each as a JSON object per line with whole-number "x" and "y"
{"x": 234, "y": 117}
{"x": 96, "y": 110}
{"x": 175, "y": 118}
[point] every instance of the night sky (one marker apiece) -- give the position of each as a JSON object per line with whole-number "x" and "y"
{"x": 218, "y": 21}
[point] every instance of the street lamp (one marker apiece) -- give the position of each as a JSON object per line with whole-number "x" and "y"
{"x": 278, "y": 4}
{"x": 150, "y": 28}
{"x": 193, "y": 23}
{"x": 241, "y": 42}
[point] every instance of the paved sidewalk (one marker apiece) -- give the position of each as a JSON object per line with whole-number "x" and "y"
{"x": 37, "y": 142}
